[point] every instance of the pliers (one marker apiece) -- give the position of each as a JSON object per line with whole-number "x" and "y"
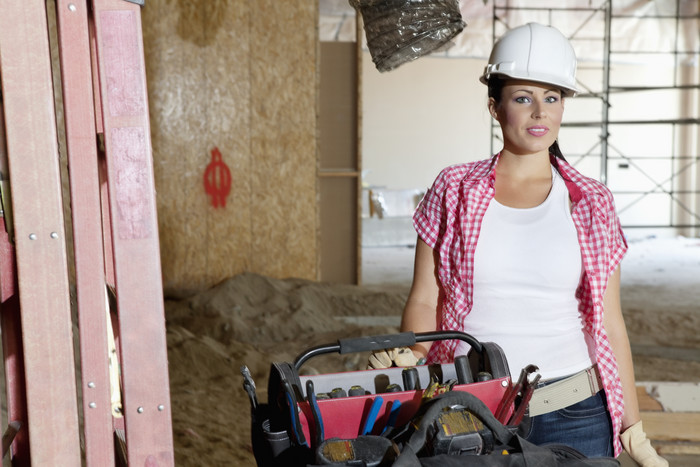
{"x": 512, "y": 392}
{"x": 294, "y": 414}
{"x": 522, "y": 404}
{"x": 315, "y": 411}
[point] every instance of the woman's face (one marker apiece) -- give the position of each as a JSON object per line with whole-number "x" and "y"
{"x": 529, "y": 114}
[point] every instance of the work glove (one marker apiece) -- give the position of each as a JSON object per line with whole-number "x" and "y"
{"x": 639, "y": 448}
{"x": 400, "y": 356}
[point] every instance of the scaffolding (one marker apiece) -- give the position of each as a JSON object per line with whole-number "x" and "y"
{"x": 636, "y": 124}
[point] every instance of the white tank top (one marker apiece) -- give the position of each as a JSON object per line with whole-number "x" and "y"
{"x": 527, "y": 267}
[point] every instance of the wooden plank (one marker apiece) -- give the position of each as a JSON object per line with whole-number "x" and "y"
{"x": 81, "y": 142}
{"x": 39, "y": 233}
{"x": 677, "y": 449}
{"x": 134, "y": 233}
{"x": 669, "y": 426}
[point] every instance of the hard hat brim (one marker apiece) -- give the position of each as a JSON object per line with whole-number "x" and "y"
{"x": 567, "y": 90}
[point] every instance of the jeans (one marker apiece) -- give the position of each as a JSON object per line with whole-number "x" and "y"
{"x": 584, "y": 426}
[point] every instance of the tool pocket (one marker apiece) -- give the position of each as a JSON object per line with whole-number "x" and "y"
{"x": 367, "y": 450}
{"x": 276, "y": 441}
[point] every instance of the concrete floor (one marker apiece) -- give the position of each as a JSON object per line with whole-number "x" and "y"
{"x": 388, "y": 266}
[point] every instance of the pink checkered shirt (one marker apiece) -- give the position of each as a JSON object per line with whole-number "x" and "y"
{"x": 449, "y": 218}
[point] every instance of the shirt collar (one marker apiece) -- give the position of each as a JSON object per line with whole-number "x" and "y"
{"x": 487, "y": 169}
{"x": 570, "y": 176}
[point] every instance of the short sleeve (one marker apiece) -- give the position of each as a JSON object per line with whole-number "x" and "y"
{"x": 618, "y": 241}
{"x": 428, "y": 216}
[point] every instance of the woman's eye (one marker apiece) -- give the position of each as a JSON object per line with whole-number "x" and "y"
{"x": 551, "y": 99}
{"x": 522, "y": 100}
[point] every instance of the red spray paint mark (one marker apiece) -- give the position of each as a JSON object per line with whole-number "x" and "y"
{"x": 217, "y": 179}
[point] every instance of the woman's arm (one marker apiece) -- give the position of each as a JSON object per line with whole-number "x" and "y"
{"x": 421, "y": 311}
{"x": 619, "y": 341}
{"x": 633, "y": 438}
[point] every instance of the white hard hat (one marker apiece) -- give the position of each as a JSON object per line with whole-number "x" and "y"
{"x": 534, "y": 52}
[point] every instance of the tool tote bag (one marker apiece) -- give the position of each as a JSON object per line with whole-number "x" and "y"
{"x": 509, "y": 449}
{"x": 303, "y": 423}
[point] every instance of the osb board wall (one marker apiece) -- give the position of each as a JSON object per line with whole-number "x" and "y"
{"x": 239, "y": 75}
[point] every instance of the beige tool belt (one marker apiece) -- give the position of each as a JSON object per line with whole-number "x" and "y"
{"x": 566, "y": 392}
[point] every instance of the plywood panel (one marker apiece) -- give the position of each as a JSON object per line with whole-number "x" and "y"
{"x": 220, "y": 75}
{"x": 283, "y": 138}
{"x": 180, "y": 45}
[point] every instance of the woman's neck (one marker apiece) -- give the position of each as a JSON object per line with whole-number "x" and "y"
{"x": 524, "y": 167}
{"x": 523, "y": 181}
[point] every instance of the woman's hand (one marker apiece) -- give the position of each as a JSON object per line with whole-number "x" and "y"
{"x": 639, "y": 448}
{"x": 399, "y": 356}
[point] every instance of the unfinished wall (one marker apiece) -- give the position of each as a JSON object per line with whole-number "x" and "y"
{"x": 240, "y": 76}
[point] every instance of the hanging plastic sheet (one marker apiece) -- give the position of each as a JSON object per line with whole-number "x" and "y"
{"x": 399, "y": 31}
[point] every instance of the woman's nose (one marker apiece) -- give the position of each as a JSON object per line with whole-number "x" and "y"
{"x": 538, "y": 110}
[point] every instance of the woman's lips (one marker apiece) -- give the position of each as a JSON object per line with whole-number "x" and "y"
{"x": 538, "y": 130}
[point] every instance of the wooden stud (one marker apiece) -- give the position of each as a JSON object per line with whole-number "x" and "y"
{"x": 39, "y": 233}
{"x": 134, "y": 232}
{"x": 81, "y": 139}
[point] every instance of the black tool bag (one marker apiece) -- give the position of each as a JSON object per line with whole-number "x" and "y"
{"x": 500, "y": 446}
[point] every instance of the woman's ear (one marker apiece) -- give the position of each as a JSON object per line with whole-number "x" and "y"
{"x": 493, "y": 106}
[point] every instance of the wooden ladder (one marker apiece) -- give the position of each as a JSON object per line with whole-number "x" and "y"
{"x": 124, "y": 373}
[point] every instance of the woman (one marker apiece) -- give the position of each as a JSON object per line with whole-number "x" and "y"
{"x": 524, "y": 251}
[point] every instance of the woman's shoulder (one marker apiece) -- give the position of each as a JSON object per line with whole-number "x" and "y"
{"x": 457, "y": 173}
{"x": 587, "y": 185}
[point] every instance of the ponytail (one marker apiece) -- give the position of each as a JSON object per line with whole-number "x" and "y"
{"x": 554, "y": 150}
